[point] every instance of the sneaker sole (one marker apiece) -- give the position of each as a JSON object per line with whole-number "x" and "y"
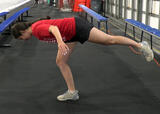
{"x": 75, "y": 99}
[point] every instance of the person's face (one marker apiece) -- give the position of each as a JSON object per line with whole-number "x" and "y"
{"x": 25, "y": 35}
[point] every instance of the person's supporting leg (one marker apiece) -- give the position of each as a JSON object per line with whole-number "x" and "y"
{"x": 61, "y": 62}
{"x": 97, "y": 36}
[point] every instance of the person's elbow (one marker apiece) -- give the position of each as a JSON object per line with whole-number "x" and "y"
{"x": 52, "y": 28}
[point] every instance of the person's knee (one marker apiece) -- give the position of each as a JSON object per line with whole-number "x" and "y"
{"x": 60, "y": 62}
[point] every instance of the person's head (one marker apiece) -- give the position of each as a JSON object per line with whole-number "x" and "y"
{"x": 22, "y": 30}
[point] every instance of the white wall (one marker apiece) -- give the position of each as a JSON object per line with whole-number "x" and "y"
{"x": 8, "y": 5}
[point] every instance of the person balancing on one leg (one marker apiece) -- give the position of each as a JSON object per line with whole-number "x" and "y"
{"x": 66, "y": 33}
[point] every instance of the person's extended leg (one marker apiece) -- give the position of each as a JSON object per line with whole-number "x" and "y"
{"x": 97, "y": 36}
{"x": 61, "y": 62}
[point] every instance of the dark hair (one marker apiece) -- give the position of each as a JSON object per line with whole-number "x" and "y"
{"x": 21, "y": 26}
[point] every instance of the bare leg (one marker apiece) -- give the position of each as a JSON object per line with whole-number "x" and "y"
{"x": 97, "y": 36}
{"x": 61, "y": 61}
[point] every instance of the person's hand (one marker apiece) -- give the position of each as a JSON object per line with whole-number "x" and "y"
{"x": 63, "y": 48}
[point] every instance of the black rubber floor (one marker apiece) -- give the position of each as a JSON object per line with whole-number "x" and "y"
{"x": 111, "y": 79}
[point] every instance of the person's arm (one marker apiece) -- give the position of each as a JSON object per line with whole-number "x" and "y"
{"x": 55, "y": 31}
{"x": 61, "y": 45}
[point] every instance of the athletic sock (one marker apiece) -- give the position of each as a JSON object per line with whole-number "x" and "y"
{"x": 71, "y": 91}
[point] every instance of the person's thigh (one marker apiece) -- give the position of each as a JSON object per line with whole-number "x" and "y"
{"x": 98, "y": 36}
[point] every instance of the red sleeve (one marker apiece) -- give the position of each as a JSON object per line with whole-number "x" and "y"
{"x": 43, "y": 30}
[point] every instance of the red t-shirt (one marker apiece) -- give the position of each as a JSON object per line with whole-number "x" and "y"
{"x": 66, "y": 26}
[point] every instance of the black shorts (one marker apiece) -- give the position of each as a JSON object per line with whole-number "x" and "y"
{"x": 83, "y": 29}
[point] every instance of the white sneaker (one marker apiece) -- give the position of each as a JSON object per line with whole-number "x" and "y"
{"x": 68, "y": 96}
{"x": 146, "y": 51}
